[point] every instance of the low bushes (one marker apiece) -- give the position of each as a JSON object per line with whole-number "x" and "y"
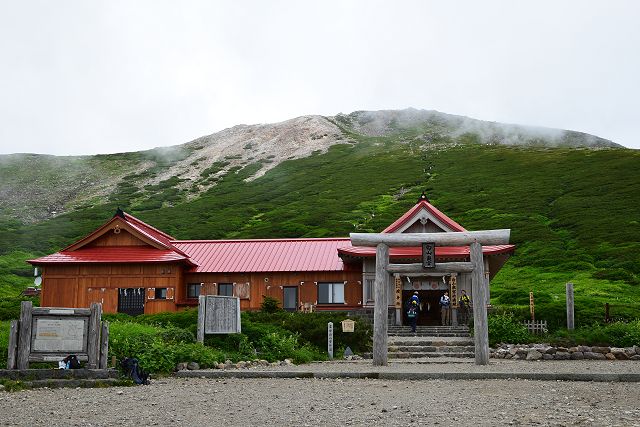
{"x": 617, "y": 334}
{"x": 160, "y": 341}
{"x": 504, "y": 328}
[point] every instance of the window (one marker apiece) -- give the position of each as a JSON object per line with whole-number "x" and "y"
{"x": 193, "y": 290}
{"x": 330, "y": 293}
{"x": 370, "y": 289}
{"x": 161, "y": 293}
{"x": 225, "y": 289}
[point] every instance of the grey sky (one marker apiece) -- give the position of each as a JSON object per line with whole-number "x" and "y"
{"x": 84, "y": 77}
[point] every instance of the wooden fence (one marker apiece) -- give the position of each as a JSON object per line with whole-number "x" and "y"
{"x": 537, "y": 327}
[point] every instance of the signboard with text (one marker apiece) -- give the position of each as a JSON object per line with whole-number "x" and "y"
{"x": 429, "y": 255}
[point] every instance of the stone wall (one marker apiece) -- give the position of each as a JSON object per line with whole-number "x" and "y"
{"x": 549, "y": 352}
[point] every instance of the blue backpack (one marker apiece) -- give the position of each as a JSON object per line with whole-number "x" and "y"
{"x": 132, "y": 369}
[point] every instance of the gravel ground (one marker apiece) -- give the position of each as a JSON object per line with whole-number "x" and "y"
{"x": 468, "y": 365}
{"x": 230, "y": 402}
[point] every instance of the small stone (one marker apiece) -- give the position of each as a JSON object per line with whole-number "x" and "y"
{"x": 119, "y": 392}
{"x": 594, "y": 356}
{"x": 583, "y": 348}
{"x": 610, "y": 356}
{"x": 181, "y": 366}
{"x": 636, "y": 357}
{"x": 547, "y": 356}
{"x": 562, "y": 355}
{"x": 193, "y": 366}
{"x": 578, "y": 355}
{"x": 603, "y": 350}
{"x": 534, "y": 354}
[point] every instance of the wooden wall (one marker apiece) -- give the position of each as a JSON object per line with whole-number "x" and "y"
{"x": 80, "y": 285}
{"x": 272, "y": 284}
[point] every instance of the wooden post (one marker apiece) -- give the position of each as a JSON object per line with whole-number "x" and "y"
{"x": 13, "y": 344}
{"x": 381, "y": 307}
{"x": 93, "y": 343}
{"x": 202, "y": 301}
{"x": 606, "y": 313}
{"x": 104, "y": 345}
{"x": 478, "y": 289}
{"x": 532, "y": 307}
{"x": 570, "y": 318}
{"x": 24, "y": 336}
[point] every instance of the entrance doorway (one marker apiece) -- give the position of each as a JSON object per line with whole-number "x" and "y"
{"x": 429, "y": 307}
{"x": 290, "y": 297}
{"x": 131, "y": 301}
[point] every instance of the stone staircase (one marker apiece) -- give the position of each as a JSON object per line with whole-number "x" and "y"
{"x": 430, "y": 342}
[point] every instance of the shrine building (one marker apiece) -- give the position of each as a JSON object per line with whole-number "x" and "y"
{"x": 132, "y": 267}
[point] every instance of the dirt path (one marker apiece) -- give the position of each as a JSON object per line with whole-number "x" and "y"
{"x": 230, "y": 402}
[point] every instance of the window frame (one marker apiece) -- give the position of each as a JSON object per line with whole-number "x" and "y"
{"x": 331, "y": 293}
{"x": 191, "y": 286}
{"x": 227, "y": 286}
{"x": 160, "y": 293}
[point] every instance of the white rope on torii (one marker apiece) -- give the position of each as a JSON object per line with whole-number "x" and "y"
{"x": 475, "y": 240}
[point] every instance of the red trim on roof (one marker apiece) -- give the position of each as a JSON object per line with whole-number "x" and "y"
{"x": 117, "y": 254}
{"x": 397, "y": 224}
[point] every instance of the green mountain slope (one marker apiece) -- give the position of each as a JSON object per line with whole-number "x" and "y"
{"x": 573, "y": 211}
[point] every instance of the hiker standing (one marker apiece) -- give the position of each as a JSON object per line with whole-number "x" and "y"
{"x": 412, "y": 314}
{"x": 445, "y": 302}
{"x": 465, "y": 303}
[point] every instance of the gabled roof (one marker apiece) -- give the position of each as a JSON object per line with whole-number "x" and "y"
{"x": 159, "y": 247}
{"x": 423, "y": 210}
{"x": 413, "y": 215}
{"x": 269, "y": 255}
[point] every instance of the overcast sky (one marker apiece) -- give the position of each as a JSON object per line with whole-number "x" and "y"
{"x": 84, "y": 77}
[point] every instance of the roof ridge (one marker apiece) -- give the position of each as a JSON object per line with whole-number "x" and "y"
{"x": 292, "y": 239}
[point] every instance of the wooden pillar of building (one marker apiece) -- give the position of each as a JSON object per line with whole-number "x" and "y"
{"x": 479, "y": 292}
{"x": 381, "y": 307}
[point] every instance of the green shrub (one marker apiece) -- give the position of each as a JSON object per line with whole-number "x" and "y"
{"x": 503, "y": 328}
{"x": 617, "y": 334}
{"x": 270, "y": 305}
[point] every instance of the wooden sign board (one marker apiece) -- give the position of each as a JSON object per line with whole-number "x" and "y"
{"x": 398, "y": 294}
{"x": 218, "y": 315}
{"x": 49, "y": 334}
{"x": 348, "y": 325}
{"x": 453, "y": 291}
{"x": 429, "y": 255}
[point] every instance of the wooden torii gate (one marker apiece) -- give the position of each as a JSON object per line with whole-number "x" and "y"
{"x": 475, "y": 240}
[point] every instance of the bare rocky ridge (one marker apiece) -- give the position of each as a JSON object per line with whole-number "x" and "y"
{"x": 38, "y": 187}
{"x": 269, "y": 144}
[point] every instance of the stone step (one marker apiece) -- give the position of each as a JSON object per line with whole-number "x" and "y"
{"x": 430, "y": 349}
{"x": 429, "y": 328}
{"x": 416, "y": 355}
{"x": 427, "y": 335}
{"x": 430, "y": 341}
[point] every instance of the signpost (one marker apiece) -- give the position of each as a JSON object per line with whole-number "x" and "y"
{"x": 348, "y": 325}
{"x": 330, "y": 340}
{"x": 532, "y": 307}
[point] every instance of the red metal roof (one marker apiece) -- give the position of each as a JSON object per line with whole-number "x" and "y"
{"x": 126, "y": 254}
{"x": 149, "y": 231}
{"x": 233, "y": 256}
{"x": 416, "y": 252}
{"x": 454, "y": 226}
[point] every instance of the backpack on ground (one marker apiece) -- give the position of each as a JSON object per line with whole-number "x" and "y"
{"x": 132, "y": 369}
{"x": 70, "y": 362}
